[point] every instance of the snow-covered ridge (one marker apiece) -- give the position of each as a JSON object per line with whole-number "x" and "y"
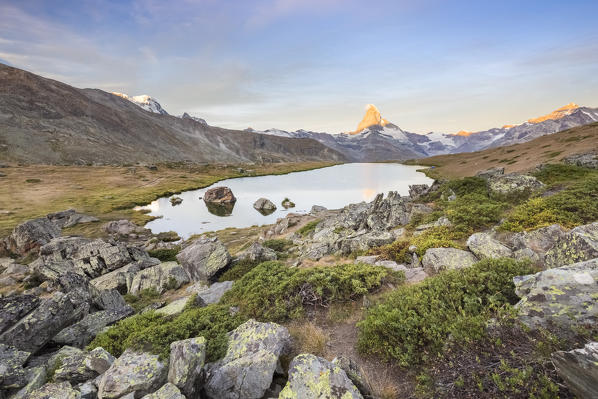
{"x": 144, "y": 101}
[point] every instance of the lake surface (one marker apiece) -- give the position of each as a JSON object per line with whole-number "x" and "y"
{"x": 332, "y": 187}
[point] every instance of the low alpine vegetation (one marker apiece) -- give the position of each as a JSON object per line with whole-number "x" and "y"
{"x": 275, "y": 292}
{"x": 412, "y": 324}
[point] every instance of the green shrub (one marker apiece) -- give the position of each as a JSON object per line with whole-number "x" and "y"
{"x": 165, "y": 254}
{"x": 571, "y": 207}
{"x": 238, "y": 270}
{"x": 154, "y": 333}
{"x": 412, "y": 324}
{"x": 278, "y": 245}
{"x": 308, "y": 228}
{"x": 562, "y": 173}
{"x": 275, "y": 292}
{"x": 474, "y": 211}
{"x": 143, "y": 298}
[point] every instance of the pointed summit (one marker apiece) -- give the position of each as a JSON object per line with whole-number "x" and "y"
{"x": 372, "y": 117}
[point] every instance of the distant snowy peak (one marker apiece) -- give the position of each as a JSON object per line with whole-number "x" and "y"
{"x": 144, "y": 101}
{"x": 556, "y": 114}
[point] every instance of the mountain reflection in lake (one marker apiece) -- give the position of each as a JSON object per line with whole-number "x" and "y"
{"x": 332, "y": 187}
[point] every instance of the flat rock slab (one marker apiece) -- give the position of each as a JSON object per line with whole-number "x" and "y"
{"x": 579, "y": 369}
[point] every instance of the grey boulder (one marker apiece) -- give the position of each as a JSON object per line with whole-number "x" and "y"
{"x": 168, "y": 391}
{"x": 14, "y": 308}
{"x": 12, "y": 373}
{"x": 438, "y": 259}
{"x": 578, "y": 245}
{"x": 70, "y": 218}
{"x": 83, "y": 366}
{"x": 31, "y": 235}
{"x": 312, "y": 377}
{"x": 513, "y": 183}
{"x": 137, "y": 372}
{"x": 264, "y": 205}
{"x": 159, "y": 277}
{"x": 207, "y": 295}
{"x": 187, "y": 359}
{"x": 563, "y": 296}
{"x": 257, "y": 253}
{"x": 203, "y": 258}
{"x": 251, "y": 359}
{"x": 60, "y": 390}
{"x": 484, "y": 246}
{"x": 579, "y": 369}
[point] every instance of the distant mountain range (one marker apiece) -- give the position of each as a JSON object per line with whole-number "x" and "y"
{"x": 46, "y": 121}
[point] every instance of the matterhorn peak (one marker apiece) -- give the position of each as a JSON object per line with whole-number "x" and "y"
{"x": 372, "y": 117}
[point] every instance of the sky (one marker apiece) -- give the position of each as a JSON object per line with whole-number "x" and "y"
{"x": 428, "y": 65}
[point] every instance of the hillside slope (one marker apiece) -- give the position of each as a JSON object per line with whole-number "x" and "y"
{"x": 45, "y": 121}
{"x": 517, "y": 157}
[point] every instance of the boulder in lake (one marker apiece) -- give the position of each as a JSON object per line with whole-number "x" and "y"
{"x": 312, "y": 377}
{"x": 287, "y": 203}
{"x": 203, "y": 258}
{"x": 252, "y": 357}
{"x": 176, "y": 201}
{"x": 264, "y": 206}
{"x": 438, "y": 259}
{"x": 138, "y": 372}
{"x": 219, "y": 195}
{"x": 563, "y": 296}
{"x": 579, "y": 369}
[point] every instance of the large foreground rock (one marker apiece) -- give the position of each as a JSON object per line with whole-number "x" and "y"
{"x": 31, "y": 235}
{"x": 579, "y": 369}
{"x": 61, "y": 390}
{"x": 251, "y": 359}
{"x": 578, "y": 245}
{"x": 85, "y": 330}
{"x": 563, "y": 296}
{"x": 37, "y": 328}
{"x": 137, "y": 372}
{"x": 219, "y": 196}
{"x": 15, "y": 307}
{"x": 534, "y": 244}
{"x": 438, "y": 259}
{"x": 82, "y": 366}
{"x": 187, "y": 359}
{"x": 204, "y": 258}
{"x": 167, "y": 275}
{"x": 484, "y": 246}
{"x": 312, "y": 377}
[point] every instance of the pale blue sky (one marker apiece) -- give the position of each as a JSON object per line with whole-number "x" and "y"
{"x": 314, "y": 64}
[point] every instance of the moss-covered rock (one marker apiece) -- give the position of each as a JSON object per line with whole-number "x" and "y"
{"x": 438, "y": 259}
{"x": 312, "y": 377}
{"x": 578, "y": 245}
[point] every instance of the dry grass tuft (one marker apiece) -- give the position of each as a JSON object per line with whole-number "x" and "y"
{"x": 308, "y": 338}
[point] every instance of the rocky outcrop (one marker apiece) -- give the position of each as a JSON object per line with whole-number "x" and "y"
{"x": 37, "y": 328}
{"x": 589, "y": 160}
{"x": 219, "y": 196}
{"x": 438, "y": 259}
{"x": 252, "y": 357}
{"x": 203, "y": 258}
{"x": 70, "y": 218}
{"x": 167, "y": 275}
{"x": 137, "y": 372}
{"x": 513, "y": 184}
{"x": 31, "y": 235}
{"x": 84, "y": 331}
{"x": 264, "y": 206}
{"x": 355, "y": 374}
{"x": 121, "y": 279}
{"x": 484, "y": 246}
{"x": 207, "y": 295}
{"x": 579, "y": 369}
{"x": 14, "y": 308}
{"x": 257, "y": 253}
{"x": 122, "y": 227}
{"x": 186, "y": 365}
{"x": 83, "y": 366}
{"x": 417, "y": 190}
{"x": 490, "y": 173}
{"x": 12, "y": 373}
{"x": 364, "y": 240}
{"x": 312, "y": 377}
{"x": 562, "y": 296}
{"x": 578, "y": 245}
{"x": 386, "y": 213}
{"x": 534, "y": 244}
{"x": 60, "y": 390}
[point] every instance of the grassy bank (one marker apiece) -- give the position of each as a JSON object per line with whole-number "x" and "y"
{"x": 110, "y": 192}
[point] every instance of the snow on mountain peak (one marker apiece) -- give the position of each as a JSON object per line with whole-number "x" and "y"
{"x": 556, "y": 114}
{"x": 144, "y": 101}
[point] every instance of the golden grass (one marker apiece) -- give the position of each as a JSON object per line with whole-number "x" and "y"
{"x": 110, "y": 192}
{"x": 308, "y": 338}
